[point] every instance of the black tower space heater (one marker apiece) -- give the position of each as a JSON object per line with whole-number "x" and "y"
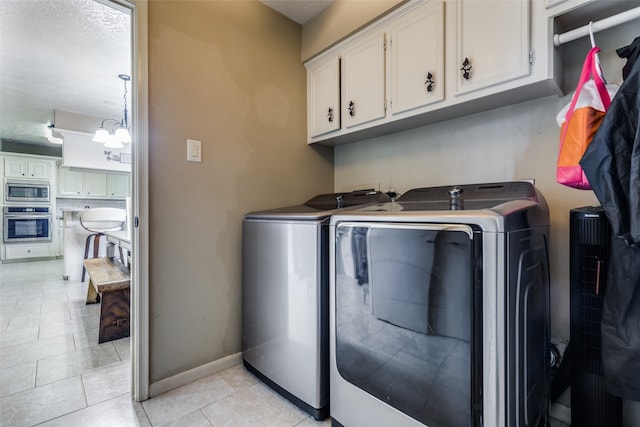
{"x": 590, "y": 245}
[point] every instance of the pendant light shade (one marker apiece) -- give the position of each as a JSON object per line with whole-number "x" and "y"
{"x": 102, "y": 135}
{"x": 123, "y": 135}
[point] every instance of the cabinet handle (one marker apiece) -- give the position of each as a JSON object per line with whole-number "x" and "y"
{"x": 330, "y": 115}
{"x": 429, "y": 82}
{"x": 466, "y": 69}
{"x": 352, "y": 108}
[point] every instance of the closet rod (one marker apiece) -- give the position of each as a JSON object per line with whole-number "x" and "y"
{"x": 603, "y": 24}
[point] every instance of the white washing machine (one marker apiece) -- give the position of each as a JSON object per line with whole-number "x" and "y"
{"x": 450, "y": 325}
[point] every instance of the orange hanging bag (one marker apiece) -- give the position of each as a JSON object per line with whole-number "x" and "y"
{"x": 581, "y": 121}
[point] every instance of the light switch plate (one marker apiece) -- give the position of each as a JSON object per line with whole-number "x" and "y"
{"x": 194, "y": 150}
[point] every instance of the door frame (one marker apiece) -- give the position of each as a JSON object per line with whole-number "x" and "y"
{"x": 139, "y": 312}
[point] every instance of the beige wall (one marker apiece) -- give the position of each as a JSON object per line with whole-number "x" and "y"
{"x": 515, "y": 142}
{"x": 227, "y": 73}
{"x": 339, "y": 20}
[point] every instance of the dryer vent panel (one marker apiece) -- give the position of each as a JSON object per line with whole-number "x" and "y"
{"x": 589, "y": 252}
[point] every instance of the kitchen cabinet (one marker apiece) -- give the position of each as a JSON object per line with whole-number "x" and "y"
{"x": 72, "y": 183}
{"x": 15, "y": 251}
{"x": 95, "y": 184}
{"x": 491, "y": 43}
{"x": 323, "y": 92}
{"x": 117, "y": 186}
{"x": 364, "y": 84}
{"x": 416, "y": 75}
{"x": 29, "y": 168}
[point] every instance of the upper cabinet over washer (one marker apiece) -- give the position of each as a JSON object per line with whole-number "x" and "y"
{"x": 363, "y": 81}
{"x": 323, "y": 103}
{"x": 426, "y": 60}
{"x": 491, "y": 43}
{"x": 416, "y": 59}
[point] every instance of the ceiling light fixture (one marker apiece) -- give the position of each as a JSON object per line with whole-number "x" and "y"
{"x": 118, "y": 133}
{"x": 49, "y": 133}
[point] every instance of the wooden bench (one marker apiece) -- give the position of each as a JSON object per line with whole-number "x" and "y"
{"x": 110, "y": 283}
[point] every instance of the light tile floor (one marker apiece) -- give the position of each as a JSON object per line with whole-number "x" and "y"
{"x": 53, "y": 372}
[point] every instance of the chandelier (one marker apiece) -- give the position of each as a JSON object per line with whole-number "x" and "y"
{"x": 117, "y": 134}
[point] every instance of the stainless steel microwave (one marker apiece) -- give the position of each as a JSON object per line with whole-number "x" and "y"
{"x": 27, "y": 191}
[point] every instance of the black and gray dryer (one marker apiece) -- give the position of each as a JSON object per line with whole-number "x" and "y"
{"x": 285, "y": 295}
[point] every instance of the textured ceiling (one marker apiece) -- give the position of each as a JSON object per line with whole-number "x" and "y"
{"x": 67, "y": 54}
{"x": 299, "y": 11}
{"x": 60, "y": 55}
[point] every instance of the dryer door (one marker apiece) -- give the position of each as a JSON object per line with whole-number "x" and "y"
{"x": 406, "y": 296}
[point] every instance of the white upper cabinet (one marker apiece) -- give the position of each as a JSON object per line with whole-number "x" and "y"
{"x": 23, "y": 167}
{"x": 117, "y": 186}
{"x": 70, "y": 183}
{"x": 323, "y": 93}
{"x": 424, "y": 62}
{"x": 363, "y": 81}
{"x": 491, "y": 43}
{"x": 95, "y": 184}
{"x": 416, "y": 76}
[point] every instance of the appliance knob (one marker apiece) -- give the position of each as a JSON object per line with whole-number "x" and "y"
{"x": 456, "y": 191}
{"x": 455, "y": 203}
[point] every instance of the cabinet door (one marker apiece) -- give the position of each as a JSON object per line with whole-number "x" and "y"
{"x": 40, "y": 169}
{"x": 324, "y": 97}
{"x": 69, "y": 182}
{"x": 16, "y": 167}
{"x": 95, "y": 184}
{"x": 492, "y": 43}
{"x": 363, "y": 82}
{"x": 416, "y": 59}
{"x": 117, "y": 186}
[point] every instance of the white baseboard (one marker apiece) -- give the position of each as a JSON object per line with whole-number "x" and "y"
{"x": 194, "y": 374}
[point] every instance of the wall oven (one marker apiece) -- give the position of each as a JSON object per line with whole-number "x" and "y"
{"x": 27, "y": 191}
{"x": 27, "y": 223}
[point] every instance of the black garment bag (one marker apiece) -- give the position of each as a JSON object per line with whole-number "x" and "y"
{"x": 612, "y": 165}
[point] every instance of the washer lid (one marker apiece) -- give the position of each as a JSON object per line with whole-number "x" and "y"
{"x": 345, "y": 200}
{"x": 322, "y": 206}
{"x": 484, "y": 195}
{"x": 503, "y": 198}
